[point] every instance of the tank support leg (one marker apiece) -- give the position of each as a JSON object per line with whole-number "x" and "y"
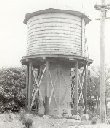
{"x": 76, "y": 87}
{"x": 30, "y": 86}
{"x": 47, "y": 89}
{"x": 27, "y": 83}
{"x": 85, "y": 89}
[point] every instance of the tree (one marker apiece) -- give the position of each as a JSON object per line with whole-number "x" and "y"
{"x": 12, "y": 82}
{"x": 93, "y": 92}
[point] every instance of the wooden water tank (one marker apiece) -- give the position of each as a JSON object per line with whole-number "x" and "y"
{"x": 56, "y": 32}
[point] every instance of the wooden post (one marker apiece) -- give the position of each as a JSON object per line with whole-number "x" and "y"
{"x": 85, "y": 88}
{"x": 59, "y": 82}
{"x": 76, "y": 87}
{"x": 103, "y": 8}
{"x": 27, "y": 85}
{"x": 102, "y": 65}
{"x": 47, "y": 89}
{"x": 30, "y": 86}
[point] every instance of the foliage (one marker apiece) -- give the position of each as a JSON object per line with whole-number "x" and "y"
{"x": 12, "y": 83}
{"x": 93, "y": 89}
{"x": 93, "y": 92}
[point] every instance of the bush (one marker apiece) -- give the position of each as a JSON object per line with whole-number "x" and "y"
{"x": 12, "y": 84}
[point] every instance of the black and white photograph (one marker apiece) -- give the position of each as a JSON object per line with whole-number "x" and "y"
{"x": 55, "y": 64}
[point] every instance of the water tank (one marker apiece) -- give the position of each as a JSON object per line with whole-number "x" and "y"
{"x": 56, "y": 32}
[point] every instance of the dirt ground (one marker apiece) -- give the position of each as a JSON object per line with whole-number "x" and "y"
{"x": 12, "y": 121}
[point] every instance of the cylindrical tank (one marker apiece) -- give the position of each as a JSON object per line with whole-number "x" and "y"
{"x": 56, "y": 32}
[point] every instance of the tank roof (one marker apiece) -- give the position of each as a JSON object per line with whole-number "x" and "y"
{"x": 52, "y": 10}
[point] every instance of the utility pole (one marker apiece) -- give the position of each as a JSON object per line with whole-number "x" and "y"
{"x": 103, "y": 8}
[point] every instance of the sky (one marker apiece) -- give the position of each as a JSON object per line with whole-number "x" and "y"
{"x": 13, "y": 33}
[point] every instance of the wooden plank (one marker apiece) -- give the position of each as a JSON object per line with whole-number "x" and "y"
{"x": 54, "y": 25}
{"x": 76, "y": 87}
{"x": 57, "y": 28}
{"x": 54, "y": 20}
{"x": 61, "y": 17}
{"x": 35, "y": 30}
{"x": 50, "y": 34}
{"x": 63, "y": 33}
{"x": 65, "y": 41}
{"x": 55, "y": 51}
{"x": 53, "y": 38}
{"x": 53, "y": 35}
{"x": 68, "y": 42}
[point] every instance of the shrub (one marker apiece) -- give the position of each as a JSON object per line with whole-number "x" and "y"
{"x": 12, "y": 84}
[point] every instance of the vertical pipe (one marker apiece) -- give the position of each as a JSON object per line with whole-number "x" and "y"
{"x": 102, "y": 64}
{"x": 30, "y": 87}
{"x": 47, "y": 89}
{"x": 76, "y": 87}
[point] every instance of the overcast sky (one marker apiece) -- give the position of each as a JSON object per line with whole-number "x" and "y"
{"x": 13, "y": 32}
